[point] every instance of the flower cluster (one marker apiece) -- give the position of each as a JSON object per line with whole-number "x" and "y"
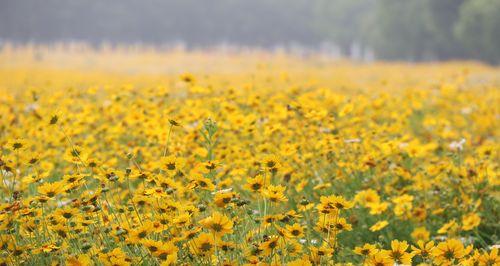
{"x": 282, "y": 163}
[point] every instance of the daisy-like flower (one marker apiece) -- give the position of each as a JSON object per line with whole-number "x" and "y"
{"x": 423, "y": 249}
{"x": 450, "y": 226}
{"x": 379, "y": 226}
{"x": 489, "y": 259}
{"x": 333, "y": 203}
{"x": 114, "y": 257}
{"x": 269, "y": 245}
{"x": 420, "y": 233}
{"x": 470, "y": 221}
{"x": 218, "y": 224}
{"x": 318, "y": 253}
{"x": 365, "y": 197}
{"x": 221, "y": 199}
{"x": 17, "y": 144}
{"x": 296, "y": 230}
{"x": 450, "y": 252}
{"x": 341, "y": 224}
{"x": 398, "y": 252}
{"x": 80, "y": 260}
{"x": 141, "y": 233}
{"x": 255, "y": 184}
{"x": 167, "y": 253}
{"x": 381, "y": 258}
{"x": 366, "y": 250}
{"x": 271, "y": 163}
{"x": 275, "y": 194}
{"x": 203, "y": 245}
{"x": 172, "y": 164}
{"x": 51, "y": 190}
{"x": 201, "y": 182}
{"x": 67, "y": 213}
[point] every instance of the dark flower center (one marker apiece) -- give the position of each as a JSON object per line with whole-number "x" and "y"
{"x": 171, "y": 166}
{"x": 256, "y": 186}
{"x": 217, "y": 227}
{"x": 206, "y": 247}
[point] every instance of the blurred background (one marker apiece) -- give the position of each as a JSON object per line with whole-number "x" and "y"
{"x": 409, "y": 30}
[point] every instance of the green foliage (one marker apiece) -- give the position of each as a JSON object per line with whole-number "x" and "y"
{"x": 415, "y": 29}
{"x": 344, "y": 21}
{"x": 479, "y": 29}
{"x": 400, "y": 30}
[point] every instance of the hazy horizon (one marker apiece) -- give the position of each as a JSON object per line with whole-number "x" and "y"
{"x": 413, "y": 30}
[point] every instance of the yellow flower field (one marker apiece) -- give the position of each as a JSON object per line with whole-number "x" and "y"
{"x": 138, "y": 156}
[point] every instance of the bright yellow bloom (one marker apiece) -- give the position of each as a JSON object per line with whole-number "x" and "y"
{"x": 470, "y": 221}
{"x": 398, "y": 252}
{"x": 366, "y": 250}
{"x": 450, "y": 252}
{"x": 420, "y": 233}
{"x": 379, "y": 226}
{"x": 218, "y": 223}
{"x": 423, "y": 249}
{"x": 275, "y": 194}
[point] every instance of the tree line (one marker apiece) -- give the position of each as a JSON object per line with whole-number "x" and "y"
{"x": 413, "y": 30}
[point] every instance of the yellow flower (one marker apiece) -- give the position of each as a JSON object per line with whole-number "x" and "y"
{"x": 188, "y": 78}
{"x": 269, "y": 245}
{"x": 322, "y": 252}
{"x": 450, "y": 252}
{"x": 80, "y": 260}
{"x": 218, "y": 224}
{"x": 380, "y": 258}
{"x": 67, "y": 213}
{"x": 114, "y": 257}
{"x": 271, "y": 163}
{"x": 199, "y": 181}
{"x": 296, "y": 230}
{"x": 333, "y": 203}
{"x": 17, "y": 144}
{"x": 403, "y": 205}
{"x": 366, "y": 250}
{"x": 420, "y": 233}
{"x": 203, "y": 245}
{"x": 423, "y": 249}
{"x": 167, "y": 253}
{"x": 255, "y": 184}
{"x": 172, "y": 164}
{"x": 450, "y": 226}
{"x": 51, "y": 190}
{"x": 221, "y": 199}
{"x": 341, "y": 224}
{"x": 142, "y": 232}
{"x": 379, "y": 226}
{"x": 470, "y": 221}
{"x": 398, "y": 252}
{"x": 377, "y": 207}
{"x": 292, "y": 248}
{"x": 299, "y": 262}
{"x": 489, "y": 259}
{"x": 275, "y": 193}
{"x": 366, "y": 197}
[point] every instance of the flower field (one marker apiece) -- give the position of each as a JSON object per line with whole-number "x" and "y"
{"x": 134, "y": 156}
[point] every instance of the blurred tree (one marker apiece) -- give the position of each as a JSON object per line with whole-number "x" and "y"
{"x": 440, "y": 18}
{"x": 478, "y": 28}
{"x": 399, "y": 31}
{"x": 344, "y": 22}
{"x": 393, "y": 29}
